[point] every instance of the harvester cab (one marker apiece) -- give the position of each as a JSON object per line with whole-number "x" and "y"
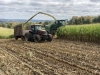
{"x": 52, "y": 28}
{"x": 60, "y": 23}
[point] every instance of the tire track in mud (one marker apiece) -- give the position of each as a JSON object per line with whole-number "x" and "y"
{"x": 46, "y": 69}
{"x": 56, "y": 58}
{"x": 47, "y": 57}
{"x": 71, "y": 64}
{"x": 29, "y": 62}
{"x": 11, "y": 53}
{"x": 2, "y": 72}
{"x": 88, "y": 67}
{"x": 85, "y": 65}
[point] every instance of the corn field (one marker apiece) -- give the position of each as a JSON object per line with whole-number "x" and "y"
{"x": 90, "y": 33}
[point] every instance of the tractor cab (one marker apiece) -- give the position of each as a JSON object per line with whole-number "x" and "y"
{"x": 37, "y": 29}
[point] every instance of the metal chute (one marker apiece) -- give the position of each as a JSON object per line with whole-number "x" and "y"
{"x": 39, "y": 13}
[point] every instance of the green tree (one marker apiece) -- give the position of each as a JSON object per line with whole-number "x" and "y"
{"x": 46, "y": 23}
{"x": 95, "y": 20}
{"x": 80, "y": 21}
{"x": 3, "y": 25}
{"x": 9, "y": 25}
{"x": 98, "y": 19}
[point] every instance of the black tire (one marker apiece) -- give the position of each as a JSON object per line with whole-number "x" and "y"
{"x": 37, "y": 38}
{"x": 28, "y": 37}
{"x": 49, "y": 38}
{"x": 23, "y": 38}
{"x": 16, "y": 37}
{"x": 53, "y": 32}
{"x": 42, "y": 39}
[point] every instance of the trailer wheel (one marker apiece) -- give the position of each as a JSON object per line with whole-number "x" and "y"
{"x": 53, "y": 32}
{"x": 37, "y": 38}
{"x": 16, "y": 37}
{"x": 49, "y": 37}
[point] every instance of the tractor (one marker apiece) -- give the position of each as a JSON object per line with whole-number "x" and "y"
{"x": 32, "y": 33}
{"x": 37, "y": 34}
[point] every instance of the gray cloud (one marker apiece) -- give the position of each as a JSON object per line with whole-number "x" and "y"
{"x": 95, "y": 0}
{"x": 60, "y": 9}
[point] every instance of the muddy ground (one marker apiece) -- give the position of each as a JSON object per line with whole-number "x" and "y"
{"x": 59, "y": 57}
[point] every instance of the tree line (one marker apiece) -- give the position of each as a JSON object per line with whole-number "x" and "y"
{"x": 75, "y": 20}
{"x": 13, "y": 24}
{"x": 6, "y": 25}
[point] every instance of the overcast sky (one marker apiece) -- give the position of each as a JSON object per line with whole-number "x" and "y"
{"x": 61, "y": 9}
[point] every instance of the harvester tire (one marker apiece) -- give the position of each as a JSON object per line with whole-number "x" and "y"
{"x": 49, "y": 37}
{"x": 53, "y": 32}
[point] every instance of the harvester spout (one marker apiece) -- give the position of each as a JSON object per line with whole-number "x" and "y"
{"x": 37, "y": 14}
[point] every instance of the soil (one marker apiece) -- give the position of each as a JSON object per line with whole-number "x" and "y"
{"x": 59, "y": 57}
